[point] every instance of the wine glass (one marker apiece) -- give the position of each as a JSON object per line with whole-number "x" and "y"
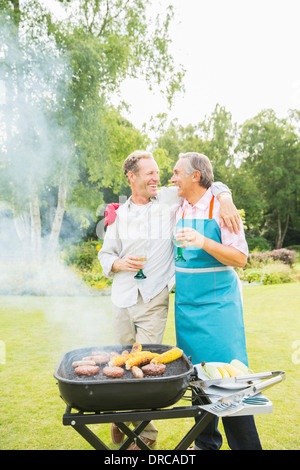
{"x": 179, "y": 256}
{"x": 140, "y": 275}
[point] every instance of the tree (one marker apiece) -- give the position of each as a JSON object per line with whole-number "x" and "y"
{"x": 271, "y": 149}
{"x": 35, "y": 138}
{"x": 215, "y": 136}
{"x": 219, "y": 133}
{"x": 90, "y": 52}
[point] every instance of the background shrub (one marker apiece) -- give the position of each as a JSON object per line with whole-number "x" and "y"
{"x": 285, "y": 256}
{"x": 82, "y": 255}
{"x": 274, "y": 272}
{"x": 277, "y": 273}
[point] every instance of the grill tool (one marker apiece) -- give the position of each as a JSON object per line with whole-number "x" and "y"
{"x": 233, "y": 403}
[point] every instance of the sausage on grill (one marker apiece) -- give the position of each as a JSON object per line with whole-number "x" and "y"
{"x": 113, "y": 371}
{"x": 98, "y": 359}
{"x": 87, "y": 370}
{"x": 83, "y": 363}
{"x": 114, "y": 354}
{"x": 137, "y": 372}
{"x": 154, "y": 369}
{"x": 100, "y": 353}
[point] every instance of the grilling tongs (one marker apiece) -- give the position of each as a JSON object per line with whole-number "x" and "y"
{"x": 243, "y": 379}
{"x": 232, "y": 403}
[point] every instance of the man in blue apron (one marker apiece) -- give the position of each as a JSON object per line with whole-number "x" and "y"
{"x": 208, "y": 303}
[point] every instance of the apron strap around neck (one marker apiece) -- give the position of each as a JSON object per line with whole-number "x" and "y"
{"x": 211, "y": 207}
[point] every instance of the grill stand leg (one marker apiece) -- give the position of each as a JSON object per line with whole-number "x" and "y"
{"x": 90, "y": 437}
{"x": 79, "y": 421}
{"x": 194, "y": 431}
{"x": 133, "y": 436}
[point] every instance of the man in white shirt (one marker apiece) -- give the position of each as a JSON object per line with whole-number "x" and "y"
{"x": 144, "y": 227}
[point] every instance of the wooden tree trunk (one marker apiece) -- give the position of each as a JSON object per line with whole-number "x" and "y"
{"x": 281, "y": 234}
{"x": 59, "y": 214}
{"x": 36, "y": 229}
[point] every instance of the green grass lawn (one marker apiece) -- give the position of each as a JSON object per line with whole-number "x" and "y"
{"x": 36, "y": 331}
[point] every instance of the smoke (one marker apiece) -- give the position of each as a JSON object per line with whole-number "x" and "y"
{"x": 36, "y": 152}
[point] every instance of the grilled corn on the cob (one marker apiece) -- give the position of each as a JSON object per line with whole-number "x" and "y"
{"x": 136, "y": 347}
{"x": 140, "y": 358}
{"x": 120, "y": 360}
{"x": 168, "y": 356}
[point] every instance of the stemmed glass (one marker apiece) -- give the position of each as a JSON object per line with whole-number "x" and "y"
{"x": 179, "y": 256}
{"x": 140, "y": 275}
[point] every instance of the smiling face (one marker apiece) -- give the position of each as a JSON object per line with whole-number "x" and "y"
{"x": 144, "y": 182}
{"x": 180, "y": 179}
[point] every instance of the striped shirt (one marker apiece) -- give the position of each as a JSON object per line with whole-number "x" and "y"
{"x": 200, "y": 210}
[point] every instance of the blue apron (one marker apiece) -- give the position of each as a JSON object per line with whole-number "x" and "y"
{"x": 208, "y": 305}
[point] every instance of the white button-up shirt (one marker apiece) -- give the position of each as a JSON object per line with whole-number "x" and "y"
{"x": 143, "y": 230}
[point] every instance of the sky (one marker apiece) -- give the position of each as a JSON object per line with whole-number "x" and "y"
{"x": 241, "y": 54}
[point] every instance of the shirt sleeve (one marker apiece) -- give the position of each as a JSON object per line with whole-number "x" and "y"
{"x": 236, "y": 240}
{"x": 218, "y": 187}
{"x": 169, "y": 195}
{"x": 110, "y": 250}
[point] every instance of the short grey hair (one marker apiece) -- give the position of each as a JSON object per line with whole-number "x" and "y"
{"x": 131, "y": 163}
{"x": 199, "y": 162}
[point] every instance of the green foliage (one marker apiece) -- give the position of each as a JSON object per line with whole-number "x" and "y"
{"x": 258, "y": 244}
{"x": 82, "y": 255}
{"x": 72, "y": 139}
{"x": 267, "y": 274}
{"x": 270, "y": 267}
{"x": 214, "y": 137}
{"x": 271, "y": 149}
{"x": 277, "y": 273}
{"x": 61, "y": 76}
{"x": 258, "y": 161}
{"x": 95, "y": 279}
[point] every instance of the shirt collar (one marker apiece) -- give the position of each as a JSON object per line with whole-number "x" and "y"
{"x": 129, "y": 201}
{"x": 203, "y": 202}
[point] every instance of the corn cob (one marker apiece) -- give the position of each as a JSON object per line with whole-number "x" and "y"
{"x": 241, "y": 366}
{"x": 140, "y": 358}
{"x": 168, "y": 356}
{"x": 232, "y": 370}
{"x": 136, "y": 347}
{"x": 120, "y": 360}
{"x": 223, "y": 372}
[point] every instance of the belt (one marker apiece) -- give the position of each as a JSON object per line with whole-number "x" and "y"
{"x": 203, "y": 270}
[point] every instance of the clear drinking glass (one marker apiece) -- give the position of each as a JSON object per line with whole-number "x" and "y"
{"x": 179, "y": 256}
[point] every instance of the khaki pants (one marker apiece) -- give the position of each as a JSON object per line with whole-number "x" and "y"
{"x": 145, "y": 324}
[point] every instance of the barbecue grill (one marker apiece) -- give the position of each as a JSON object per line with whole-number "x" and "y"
{"x": 101, "y": 393}
{"x": 100, "y": 399}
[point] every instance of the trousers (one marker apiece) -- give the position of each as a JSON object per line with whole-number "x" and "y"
{"x": 143, "y": 322}
{"x": 240, "y": 432}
